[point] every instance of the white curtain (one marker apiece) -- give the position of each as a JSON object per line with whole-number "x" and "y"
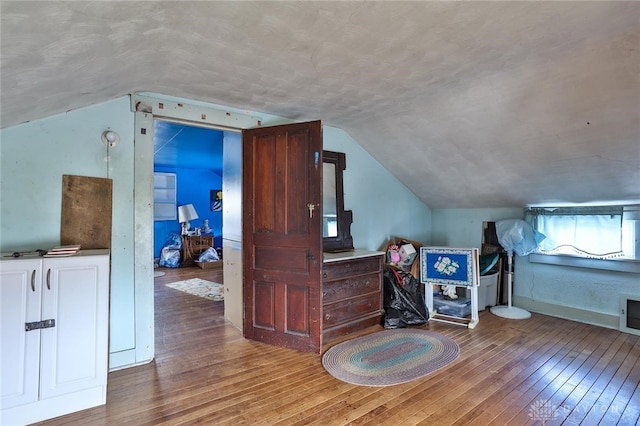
{"x": 594, "y": 232}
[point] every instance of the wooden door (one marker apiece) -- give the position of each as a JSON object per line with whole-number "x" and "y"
{"x": 282, "y": 177}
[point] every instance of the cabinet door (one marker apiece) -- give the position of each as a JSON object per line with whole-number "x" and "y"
{"x": 74, "y": 353}
{"x": 20, "y": 294}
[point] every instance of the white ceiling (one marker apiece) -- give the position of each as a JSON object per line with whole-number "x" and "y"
{"x": 474, "y": 104}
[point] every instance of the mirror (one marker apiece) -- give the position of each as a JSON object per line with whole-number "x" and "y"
{"x": 336, "y": 222}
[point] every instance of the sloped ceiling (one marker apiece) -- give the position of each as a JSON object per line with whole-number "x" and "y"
{"x": 177, "y": 145}
{"x": 470, "y": 104}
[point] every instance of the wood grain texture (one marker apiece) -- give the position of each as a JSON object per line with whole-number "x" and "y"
{"x": 205, "y": 372}
{"x": 86, "y": 211}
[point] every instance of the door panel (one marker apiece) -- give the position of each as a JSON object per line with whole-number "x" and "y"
{"x": 20, "y": 302}
{"x": 282, "y": 177}
{"x": 74, "y": 351}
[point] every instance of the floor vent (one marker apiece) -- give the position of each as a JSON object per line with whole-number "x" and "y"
{"x": 630, "y": 314}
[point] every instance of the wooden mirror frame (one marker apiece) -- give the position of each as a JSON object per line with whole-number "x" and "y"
{"x": 343, "y": 241}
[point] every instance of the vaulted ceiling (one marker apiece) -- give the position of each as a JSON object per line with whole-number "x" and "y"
{"x": 470, "y": 104}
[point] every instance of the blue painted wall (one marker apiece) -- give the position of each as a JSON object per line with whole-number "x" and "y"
{"x": 193, "y": 186}
{"x": 194, "y": 154}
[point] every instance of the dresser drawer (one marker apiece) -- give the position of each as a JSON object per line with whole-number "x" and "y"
{"x": 344, "y": 329}
{"x": 347, "y": 310}
{"x": 201, "y": 244}
{"x": 346, "y": 288}
{"x": 335, "y": 270}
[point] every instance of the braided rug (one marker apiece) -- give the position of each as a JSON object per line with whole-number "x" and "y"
{"x": 390, "y": 357}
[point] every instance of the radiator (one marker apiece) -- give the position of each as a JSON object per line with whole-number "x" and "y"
{"x": 630, "y": 314}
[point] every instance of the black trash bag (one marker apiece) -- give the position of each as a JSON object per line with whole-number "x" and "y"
{"x": 170, "y": 253}
{"x": 404, "y": 303}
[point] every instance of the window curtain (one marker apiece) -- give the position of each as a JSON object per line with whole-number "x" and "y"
{"x": 594, "y": 232}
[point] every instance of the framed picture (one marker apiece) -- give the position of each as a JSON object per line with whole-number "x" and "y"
{"x": 215, "y": 200}
{"x": 449, "y": 266}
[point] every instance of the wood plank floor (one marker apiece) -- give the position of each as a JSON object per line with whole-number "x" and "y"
{"x": 538, "y": 371}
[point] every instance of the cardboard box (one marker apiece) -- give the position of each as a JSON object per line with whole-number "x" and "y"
{"x": 209, "y": 265}
{"x": 399, "y": 241}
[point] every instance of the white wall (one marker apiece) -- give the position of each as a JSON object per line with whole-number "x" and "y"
{"x": 35, "y": 155}
{"x": 463, "y": 227}
{"x": 580, "y": 294}
{"x": 382, "y": 207}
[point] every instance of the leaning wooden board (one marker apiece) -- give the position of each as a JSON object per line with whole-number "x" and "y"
{"x": 86, "y": 212}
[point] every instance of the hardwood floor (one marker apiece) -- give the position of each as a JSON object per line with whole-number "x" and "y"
{"x": 542, "y": 370}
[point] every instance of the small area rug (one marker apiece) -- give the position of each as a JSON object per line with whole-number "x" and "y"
{"x": 390, "y": 357}
{"x": 201, "y": 288}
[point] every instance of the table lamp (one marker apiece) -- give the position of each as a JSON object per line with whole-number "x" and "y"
{"x": 185, "y": 214}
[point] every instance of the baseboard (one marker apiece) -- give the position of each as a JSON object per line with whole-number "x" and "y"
{"x": 50, "y": 408}
{"x": 125, "y": 359}
{"x": 566, "y": 312}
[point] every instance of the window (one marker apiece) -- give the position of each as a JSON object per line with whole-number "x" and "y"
{"x": 164, "y": 196}
{"x": 605, "y": 232}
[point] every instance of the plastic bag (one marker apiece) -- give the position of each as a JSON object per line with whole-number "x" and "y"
{"x": 403, "y": 299}
{"x": 170, "y": 253}
{"x": 209, "y": 255}
{"x": 169, "y": 257}
{"x": 173, "y": 241}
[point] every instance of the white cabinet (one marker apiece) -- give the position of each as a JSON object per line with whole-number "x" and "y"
{"x": 60, "y": 365}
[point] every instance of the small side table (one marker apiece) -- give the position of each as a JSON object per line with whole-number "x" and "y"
{"x": 193, "y": 246}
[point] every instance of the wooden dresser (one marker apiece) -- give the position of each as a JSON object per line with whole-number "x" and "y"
{"x": 351, "y": 292}
{"x": 193, "y": 246}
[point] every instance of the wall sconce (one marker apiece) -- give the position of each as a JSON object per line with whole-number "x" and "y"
{"x": 110, "y": 138}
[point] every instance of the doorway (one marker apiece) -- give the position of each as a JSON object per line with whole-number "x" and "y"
{"x": 188, "y": 170}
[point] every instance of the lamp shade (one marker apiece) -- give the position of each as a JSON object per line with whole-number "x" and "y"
{"x": 186, "y": 213}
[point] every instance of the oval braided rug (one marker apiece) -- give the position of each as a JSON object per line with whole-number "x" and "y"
{"x": 390, "y": 357}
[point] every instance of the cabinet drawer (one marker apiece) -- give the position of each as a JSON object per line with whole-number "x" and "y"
{"x": 200, "y": 244}
{"x": 335, "y": 270}
{"x": 347, "y": 310}
{"x": 346, "y": 288}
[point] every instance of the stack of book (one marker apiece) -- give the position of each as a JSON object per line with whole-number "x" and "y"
{"x": 61, "y": 251}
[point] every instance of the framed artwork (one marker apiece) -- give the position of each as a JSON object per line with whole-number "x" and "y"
{"x": 449, "y": 266}
{"x": 215, "y": 197}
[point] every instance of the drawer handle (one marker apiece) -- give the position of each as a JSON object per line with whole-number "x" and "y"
{"x": 49, "y": 279}
{"x": 369, "y": 305}
{"x": 33, "y": 280}
{"x": 327, "y": 317}
{"x": 324, "y": 275}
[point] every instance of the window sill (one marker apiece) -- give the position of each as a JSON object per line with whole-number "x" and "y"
{"x": 632, "y": 266}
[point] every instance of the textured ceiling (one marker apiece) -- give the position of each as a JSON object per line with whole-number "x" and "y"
{"x": 474, "y": 104}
